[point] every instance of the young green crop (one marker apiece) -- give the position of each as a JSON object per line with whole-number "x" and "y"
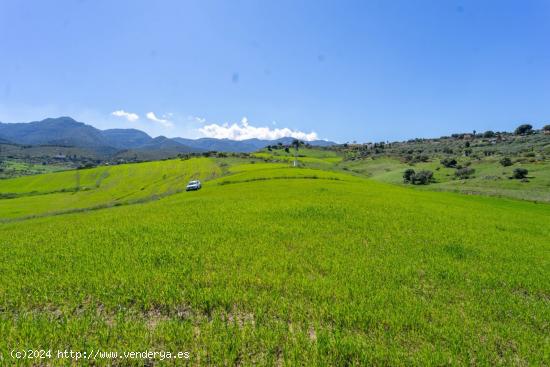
{"x": 99, "y": 187}
{"x": 277, "y": 267}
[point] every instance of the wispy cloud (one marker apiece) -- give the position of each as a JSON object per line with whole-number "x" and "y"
{"x": 243, "y": 130}
{"x": 200, "y": 120}
{"x": 163, "y": 121}
{"x": 130, "y": 116}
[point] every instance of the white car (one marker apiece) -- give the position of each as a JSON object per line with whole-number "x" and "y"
{"x": 193, "y": 185}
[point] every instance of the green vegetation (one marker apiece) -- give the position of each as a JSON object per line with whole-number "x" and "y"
{"x": 311, "y": 157}
{"x": 99, "y": 187}
{"x": 472, "y": 164}
{"x": 520, "y": 173}
{"x": 524, "y": 129}
{"x": 270, "y": 264}
{"x": 506, "y": 162}
{"x": 465, "y": 172}
{"x": 11, "y": 168}
{"x": 417, "y": 178}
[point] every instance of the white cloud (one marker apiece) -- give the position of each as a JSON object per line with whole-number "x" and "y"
{"x": 200, "y": 120}
{"x": 132, "y": 117}
{"x": 163, "y": 121}
{"x": 244, "y": 131}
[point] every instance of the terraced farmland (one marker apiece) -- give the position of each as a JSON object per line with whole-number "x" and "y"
{"x": 273, "y": 265}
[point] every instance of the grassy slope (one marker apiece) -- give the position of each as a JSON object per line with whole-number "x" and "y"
{"x": 14, "y": 168}
{"x": 310, "y": 157}
{"x": 97, "y": 187}
{"x": 316, "y": 271}
{"x": 490, "y": 177}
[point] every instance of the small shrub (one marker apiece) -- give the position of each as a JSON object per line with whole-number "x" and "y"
{"x": 423, "y": 178}
{"x": 449, "y": 162}
{"x": 520, "y": 173}
{"x": 408, "y": 175}
{"x": 506, "y": 162}
{"x": 465, "y": 172}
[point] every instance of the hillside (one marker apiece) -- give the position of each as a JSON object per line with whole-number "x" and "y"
{"x": 125, "y": 138}
{"x": 63, "y": 131}
{"x": 271, "y": 264}
{"x": 479, "y": 158}
{"x": 66, "y": 132}
{"x": 100, "y": 187}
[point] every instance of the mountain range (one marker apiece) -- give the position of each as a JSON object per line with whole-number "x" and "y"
{"x": 65, "y": 131}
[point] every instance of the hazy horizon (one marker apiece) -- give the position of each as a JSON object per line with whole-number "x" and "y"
{"x": 285, "y": 136}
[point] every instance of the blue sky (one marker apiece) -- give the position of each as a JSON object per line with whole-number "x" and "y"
{"x": 340, "y": 70}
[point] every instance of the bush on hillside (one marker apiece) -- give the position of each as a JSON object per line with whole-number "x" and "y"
{"x": 488, "y": 134}
{"x": 417, "y": 178}
{"x": 407, "y": 175}
{"x": 448, "y": 150}
{"x": 465, "y": 172}
{"x": 449, "y": 162}
{"x": 546, "y": 129}
{"x": 416, "y": 159}
{"x": 506, "y": 162}
{"x": 422, "y": 178}
{"x": 520, "y": 173}
{"x": 524, "y": 129}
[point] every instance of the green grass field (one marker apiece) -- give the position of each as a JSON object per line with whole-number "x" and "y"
{"x": 272, "y": 265}
{"x": 490, "y": 178}
{"x": 15, "y": 168}
{"x": 99, "y": 187}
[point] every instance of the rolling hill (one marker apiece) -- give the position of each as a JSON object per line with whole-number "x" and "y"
{"x": 99, "y": 187}
{"x": 271, "y": 264}
{"x": 247, "y": 145}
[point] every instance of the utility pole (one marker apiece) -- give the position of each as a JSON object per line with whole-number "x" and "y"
{"x": 296, "y": 144}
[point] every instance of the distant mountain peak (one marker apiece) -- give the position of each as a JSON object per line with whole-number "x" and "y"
{"x": 61, "y": 119}
{"x": 66, "y": 131}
